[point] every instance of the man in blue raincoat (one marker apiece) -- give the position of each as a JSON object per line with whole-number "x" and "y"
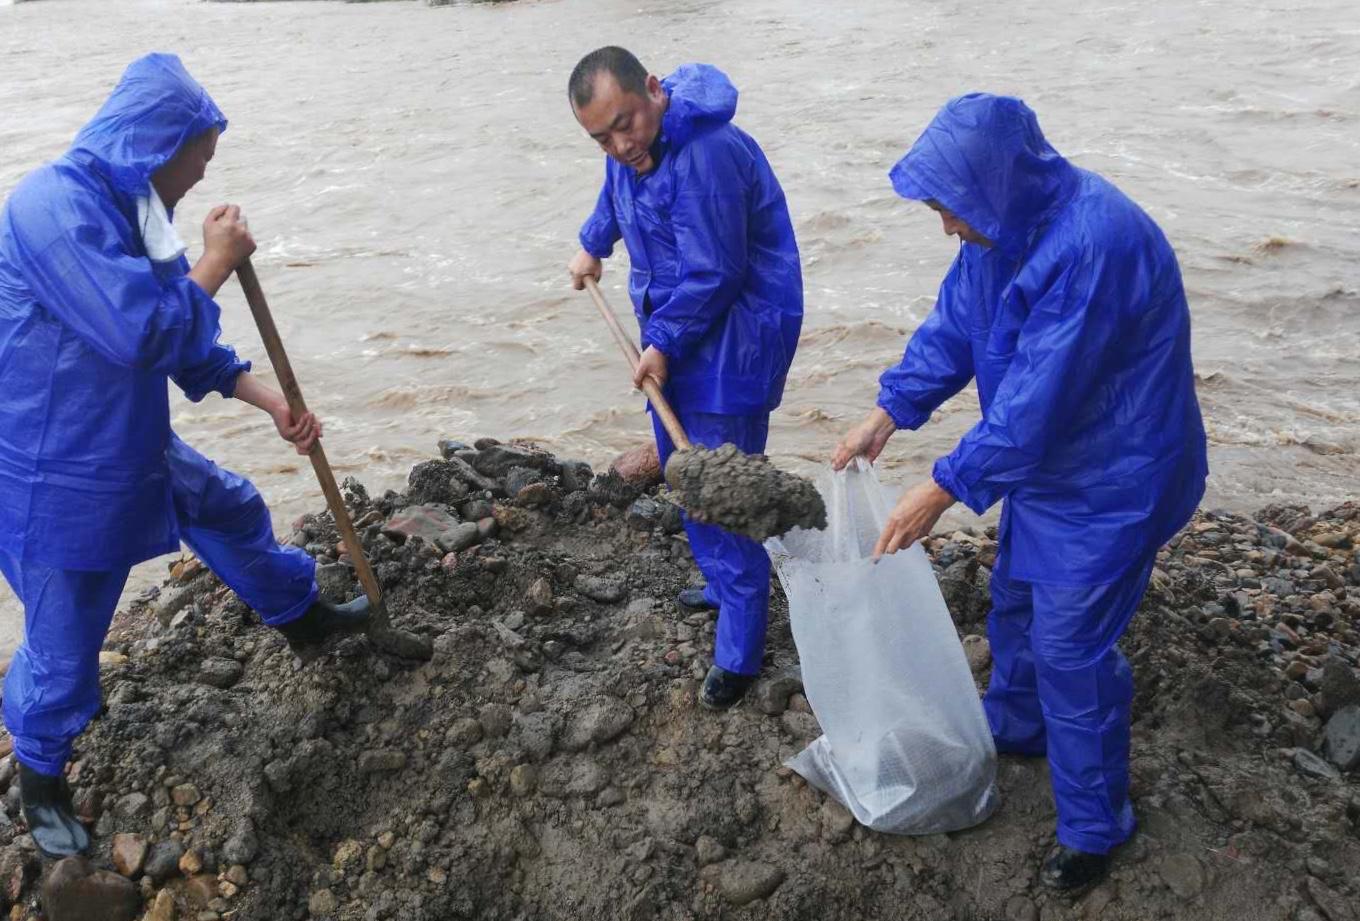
{"x": 98, "y": 309}
{"x": 1065, "y": 304}
{"x": 717, "y": 288}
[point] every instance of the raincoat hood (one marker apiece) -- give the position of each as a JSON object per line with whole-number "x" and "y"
{"x": 153, "y": 110}
{"x": 701, "y": 97}
{"x": 984, "y": 158}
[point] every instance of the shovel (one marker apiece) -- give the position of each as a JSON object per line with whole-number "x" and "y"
{"x": 724, "y": 487}
{"x": 380, "y": 631}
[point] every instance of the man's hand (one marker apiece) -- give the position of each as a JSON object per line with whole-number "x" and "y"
{"x": 226, "y": 244}
{"x": 913, "y": 517}
{"x": 582, "y": 266}
{"x": 653, "y": 365}
{"x": 865, "y": 440}
{"x": 303, "y": 433}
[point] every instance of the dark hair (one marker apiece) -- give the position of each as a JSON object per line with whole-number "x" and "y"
{"x": 611, "y": 59}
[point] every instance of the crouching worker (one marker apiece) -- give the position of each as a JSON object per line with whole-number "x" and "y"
{"x": 98, "y": 308}
{"x": 717, "y": 289}
{"x": 1065, "y": 304}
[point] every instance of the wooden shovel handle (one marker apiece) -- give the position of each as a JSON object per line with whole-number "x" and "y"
{"x": 283, "y": 369}
{"x": 649, "y": 386}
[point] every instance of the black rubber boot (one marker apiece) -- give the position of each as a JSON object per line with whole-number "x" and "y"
{"x": 50, "y": 816}
{"x": 1070, "y": 870}
{"x": 306, "y": 634}
{"x": 722, "y": 688}
{"x": 695, "y": 599}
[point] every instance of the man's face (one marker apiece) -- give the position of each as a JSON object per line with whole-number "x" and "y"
{"x": 954, "y": 227}
{"x": 184, "y": 170}
{"x": 624, "y": 124}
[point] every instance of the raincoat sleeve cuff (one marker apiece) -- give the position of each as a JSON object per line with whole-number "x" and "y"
{"x": 902, "y": 413}
{"x": 600, "y": 249}
{"x": 943, "y": 475}
{"x": 217, "y": 374}
{"x": 656, "y": 337}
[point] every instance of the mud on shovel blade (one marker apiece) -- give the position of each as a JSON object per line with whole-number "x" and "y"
{"x": 381, "y": 633}
{"x": 724, "y": 487}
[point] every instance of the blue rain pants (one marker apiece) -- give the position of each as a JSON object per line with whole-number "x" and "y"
{"x": 52, "y": 689}
{"x": 1061, "y": 687}
{"x": 737, "y": 569}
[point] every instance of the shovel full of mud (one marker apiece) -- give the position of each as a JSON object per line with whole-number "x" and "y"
{"x": 381, "y": 633}
{"x": 738, "y": 492}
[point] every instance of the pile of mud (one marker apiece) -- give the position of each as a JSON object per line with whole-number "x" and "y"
{"x": 551, "y": 762}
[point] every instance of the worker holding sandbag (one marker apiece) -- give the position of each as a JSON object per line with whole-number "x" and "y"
{"x": 1065, "y": 304}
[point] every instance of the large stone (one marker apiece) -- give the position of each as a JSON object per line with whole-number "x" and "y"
{"x": 243, "y": 845}
{"x": 335, "y": 581}
{"x": 185, "y": 794}
{"x": 164, "y": 907}
{"x": 129, "y": 854}
{"x": 1333, "y": 905}
{"x": 575, "y": 476}
{"x": 1339, "y": 686}
{"x": 742, "y": 882}
{"x": 602, "y": 720}
{"x": 75, "y": 891}
{"x": 1343, "y": 738}
{"x": 498, "y": 460}
{"x": 1183, "y": 875}
{"x": 539, "y": 597}
{"x": 173, "y": 604}
{"x": 429, "y": 522}
{"x": 19, "y": 867}
{"x": 640, "y": 467}
{"x": 133, "y": 806}
{"x": 162, "y": 862}
{"x": 601, "y": 589}
{"x": 323, "y": 903}
{"x": 535, "y": 733}
{"x": 709, "y": 850}
{"x": 644, "y": 514}
{"x": 1310, "y": 765}
{"x": 519, "y": 479}
{"x": 473, "y": 480}
{"x": 978, "y": 651}
{"x": 772, "y": 695}
{"x": 435, "y": 481}
{"x": 460, "y": 537}
{"x": 220, "y": 672}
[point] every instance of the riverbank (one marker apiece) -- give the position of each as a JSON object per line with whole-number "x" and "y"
{"x": 550, "y": 762}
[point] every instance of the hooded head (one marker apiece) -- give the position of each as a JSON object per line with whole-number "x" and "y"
{"x": 701, "y": 96}
{"x": 984, "y": 158}
{"x": 150, "y": 115}
{"x": 630, "y": 113}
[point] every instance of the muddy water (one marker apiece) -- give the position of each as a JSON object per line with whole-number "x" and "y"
{"x": 415, "y": 180}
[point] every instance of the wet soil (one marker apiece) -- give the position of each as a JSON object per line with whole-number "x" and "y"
{"x": 550, "y": 761}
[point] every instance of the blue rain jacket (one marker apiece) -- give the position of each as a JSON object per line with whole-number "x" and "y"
{"x": 90, "y": 330}
{"x": 1076, "y": 327}
{"x": 716, "y": 282}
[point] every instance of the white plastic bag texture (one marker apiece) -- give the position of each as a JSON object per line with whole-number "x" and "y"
{"x": 906, "y": 747}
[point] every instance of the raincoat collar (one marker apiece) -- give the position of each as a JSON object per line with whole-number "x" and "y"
{"x": 153, "y": 110}
{"x": 984, "y": 158}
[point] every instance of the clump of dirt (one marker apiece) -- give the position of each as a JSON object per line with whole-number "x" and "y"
{"x": 550, "y": 761}
{"x": 743, "y": 493}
